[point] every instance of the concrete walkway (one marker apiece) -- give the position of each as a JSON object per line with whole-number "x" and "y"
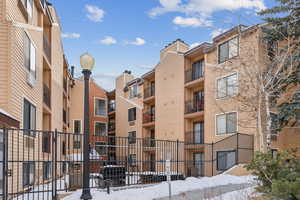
{"x": 208, "y": 193}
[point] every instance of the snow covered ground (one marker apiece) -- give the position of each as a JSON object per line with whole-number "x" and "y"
{"x": 161, "y": 190}
{"x": 243, "y": 194}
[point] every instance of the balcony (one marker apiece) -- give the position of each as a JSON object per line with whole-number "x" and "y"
{"x": 64, "y": 116}
{"x": 149, "y": 118}
{"x": 149, "y": 92}
{"x": 111, "y": 126}
{"x": 192, "y": 75}
{"x": 111, "y": 107}
{"x": 149, "y": 144}
{"x": 194, "y": 138}
{"x": 47, "y": 48}
{"x": 193, "y": 106}
{"x": 47, "y": 95}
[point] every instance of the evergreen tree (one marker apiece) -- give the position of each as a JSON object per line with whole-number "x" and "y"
{"x": 282, "y": 34}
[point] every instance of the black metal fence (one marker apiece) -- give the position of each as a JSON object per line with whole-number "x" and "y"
{"x": 45, "y": 164}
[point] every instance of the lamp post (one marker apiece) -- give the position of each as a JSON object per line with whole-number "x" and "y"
{"x": 87, "y": 63}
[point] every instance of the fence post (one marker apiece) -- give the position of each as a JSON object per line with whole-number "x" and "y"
{"x": 54, "y": 161}
{"x": 177, "y": 157}
{"x": 212, "y": 159}
{"x": 5, "y": 164}
{"x": 237, "y": 148}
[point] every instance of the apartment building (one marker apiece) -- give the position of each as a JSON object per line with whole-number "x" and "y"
{"x": 191, "y": 96}
{"x": 98, "y": 104}
{"x": 34, "y": 87}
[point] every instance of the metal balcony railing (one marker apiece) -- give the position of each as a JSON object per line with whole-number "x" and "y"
{"x": 192, "y": 106}
{"x": 47, "y": 47}
{"x": 149, "y": 92}
{"x": 149, "y": 117}
{"x": 149, "y": 142}
{"x": 191, "y": 75}
{"x": 111, "y": 107}
{"x": 111, "y": 126}
{"x": 47, "y": 95}
{"x": 194, "y": 137}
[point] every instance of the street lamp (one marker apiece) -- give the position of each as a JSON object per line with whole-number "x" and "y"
{"x": 87, "y": 63}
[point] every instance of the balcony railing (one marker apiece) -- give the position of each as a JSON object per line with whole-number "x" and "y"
{"x": 194, "y": 137}
{"x": 148, "y": 117}
{"x": 47, "y": 96}
{"x": 111, "y": 107}
{"x": 149, "y": 142}
{"x": 65, "y": 85}
{"x": 47, "y": 47}
{"x": 149, "y": 92}
{"x": 111, "y": 126}
{"x": 64, "y": 116}
{"x": 193, "y": 106}
{"x": 191, "y": 75}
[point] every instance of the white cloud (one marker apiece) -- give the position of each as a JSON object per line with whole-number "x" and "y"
{"x": 108, "y": 40}
{"x": 203, "y": 9}
{"x": 191, "y": 22}
{"x": 138, "y": 42}
{"x": 194, "y": 45}
{"x": 94, "y": 13}
{"x": 217, "y": 32}
{"x": 70, "y": 35}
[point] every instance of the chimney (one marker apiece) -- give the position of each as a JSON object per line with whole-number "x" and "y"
{"x": 72, "y": 71}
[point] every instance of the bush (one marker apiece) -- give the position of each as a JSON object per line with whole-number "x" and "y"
{"x": 279, "y": 176}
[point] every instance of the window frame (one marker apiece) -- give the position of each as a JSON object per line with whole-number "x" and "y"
{"x": 27, "y": 131}
{"x": 132, "y": 162}
{"x": 131, "y": 120}
{"x": 227, "y": 42}
{"x": 47, "y": 170}
{"x": 28, "y": 170}
{"x": 226, "y": 77}
{"x": 131, "y": 139}
{"x": 105, "y": 105}
{"x": 133, "y": 93}
{"x": 103, "y": 145}
{"x": 105, "y": 124}
{"x": 216, "y": 123}
{"x": 226, "y": 151}
{"x": 31, "y": 47}
{"x": 77, "y": 134}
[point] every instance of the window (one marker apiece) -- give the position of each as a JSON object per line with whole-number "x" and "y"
{"x": 132, "y": 137}
{"x": 64, "y": 148}
{"x": 77, "y": 131}
{"x": 225, "y": 160}
{"x": 133, "y": 91}
{"x": 228, "y": 49}
{"x": 132, "y": 159}
{"x": 30, "y": 56}
{"x": 29, "y": 118}
{"x": 46, "y": 142}
{"x": 132, "y": 114}
{"x": 226, "y": 123}
{"x": 197, "y": 70}
{"x": 100, "y": 129}
{"x": 274, "y": 123}
{"x": 28, "y": 173}
{"x": 47, "y": 170}
{"x": 227, "y": 86}
{"x": 100, "y": 109}
{"x": 100, "y": 148}
{"x": 28, "y": 4}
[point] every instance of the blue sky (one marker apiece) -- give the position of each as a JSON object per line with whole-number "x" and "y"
{"x": 128, "y": 34}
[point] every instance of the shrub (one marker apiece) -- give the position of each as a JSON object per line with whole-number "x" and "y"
{"x": 279, "y": 175}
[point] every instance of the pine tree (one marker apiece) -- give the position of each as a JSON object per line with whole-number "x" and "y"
{"x": 282, "y": 34}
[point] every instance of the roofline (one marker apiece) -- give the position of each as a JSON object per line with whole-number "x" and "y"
{"x": 202, "y": 45}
